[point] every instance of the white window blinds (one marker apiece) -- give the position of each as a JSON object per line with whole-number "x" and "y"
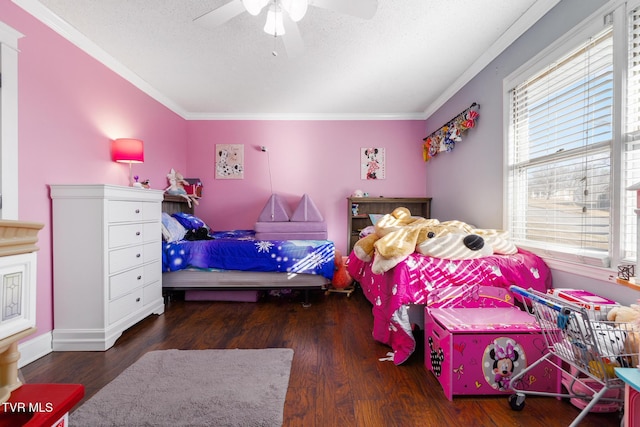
{"x": 631, "y": 138}
{"x": 559, "y": 168}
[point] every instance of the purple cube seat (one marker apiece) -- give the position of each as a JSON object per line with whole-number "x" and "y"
{"x": 276, "y": 210}
{"x": 291, "y": 230}
{"x": 277, "y": 222}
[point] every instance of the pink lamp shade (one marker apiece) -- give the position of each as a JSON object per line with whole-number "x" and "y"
{"x": 127, "y": 150}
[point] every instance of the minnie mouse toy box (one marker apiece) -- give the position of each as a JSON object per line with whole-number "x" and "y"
{"x": 477, "y": 350}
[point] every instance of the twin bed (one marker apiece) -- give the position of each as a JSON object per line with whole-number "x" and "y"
{"x": 237, "y": 260}
{"x": 399, "y": 295}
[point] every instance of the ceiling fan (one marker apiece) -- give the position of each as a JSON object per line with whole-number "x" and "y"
{"x": 283, "y": 16}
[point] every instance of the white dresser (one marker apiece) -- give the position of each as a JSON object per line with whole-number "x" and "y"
{"x": 107, "y": 262}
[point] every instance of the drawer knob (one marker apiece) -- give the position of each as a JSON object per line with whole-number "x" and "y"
{"x": 138, "y": 255}
{"x": 137, "y": 233}
{"x": 138, "y": 299}
{"x": 139, "y": 277}
{"x": 137, "y": 211}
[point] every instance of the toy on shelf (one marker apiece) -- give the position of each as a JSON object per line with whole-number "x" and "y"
{"x": 176, "y": 187}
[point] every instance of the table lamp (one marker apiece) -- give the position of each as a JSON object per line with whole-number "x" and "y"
{"x": 127, "y": 150}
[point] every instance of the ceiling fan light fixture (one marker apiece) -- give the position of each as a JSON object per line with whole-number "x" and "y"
{"x": 254, "y": 7}
{"x": 296, "y": 9}
{"x": 274, "y": 24}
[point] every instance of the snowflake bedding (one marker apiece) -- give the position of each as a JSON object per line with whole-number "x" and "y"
{"x": 418, "y": 280}
{"x": 240, "y": 250}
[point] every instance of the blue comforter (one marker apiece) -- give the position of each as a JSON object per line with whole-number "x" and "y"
{"x": 240, "y": 250}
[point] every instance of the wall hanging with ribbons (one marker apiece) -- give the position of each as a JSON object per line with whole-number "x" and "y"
{"x": 445, "y": 138}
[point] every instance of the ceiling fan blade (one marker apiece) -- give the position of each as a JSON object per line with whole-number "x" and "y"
{"x": 292, "y": 39}
{"x": 221, "y": 15}
{"x": 365, "y": 9}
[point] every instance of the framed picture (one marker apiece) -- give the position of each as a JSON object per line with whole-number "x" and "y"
{"x": 229, "y": 161}
{"x": 372, "y": 163}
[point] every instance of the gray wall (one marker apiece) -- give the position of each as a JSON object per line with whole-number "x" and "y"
{"x": 467, "y": 183}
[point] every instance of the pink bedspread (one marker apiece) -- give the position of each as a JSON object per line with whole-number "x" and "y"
{"x": 411, "y": 282}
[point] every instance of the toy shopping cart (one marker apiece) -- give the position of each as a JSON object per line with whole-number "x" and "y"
{"x": 584, "y": 347}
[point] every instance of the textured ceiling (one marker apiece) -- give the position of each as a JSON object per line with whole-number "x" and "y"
{"x": 400, "y": 64}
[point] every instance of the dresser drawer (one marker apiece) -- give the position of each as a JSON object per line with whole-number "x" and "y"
{"x": 125, "y": 258}
{"x": 152, "y": 292}
{"x": 152, "y": 232}
{"x": 151, "y": 211}
{"x": 125, "y": 305}
{"x": 152, "y": 251}
{"x": 152, "y": 272}
{"x": 124, "y": 211}
{"x": 125, "y": 234}
{"x": 132, "y": 234}
{"x": 125, "y": 282}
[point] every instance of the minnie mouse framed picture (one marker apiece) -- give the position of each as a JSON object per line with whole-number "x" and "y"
{"x": 372, "y": 163}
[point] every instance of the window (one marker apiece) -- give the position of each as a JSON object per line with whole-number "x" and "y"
{"x": 632, "y": 136}
{"x": 568, "y": 160}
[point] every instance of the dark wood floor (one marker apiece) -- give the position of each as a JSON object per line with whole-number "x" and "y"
{"x": 336, "y": 377}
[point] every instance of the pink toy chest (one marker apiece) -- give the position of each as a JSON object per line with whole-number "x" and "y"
{"x": 476, "y": 351}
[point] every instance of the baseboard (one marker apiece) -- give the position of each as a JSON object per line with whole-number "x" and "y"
{"x": 34, "y": 349}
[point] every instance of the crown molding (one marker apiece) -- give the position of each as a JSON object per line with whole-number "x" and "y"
{"x": 304, "y": 116}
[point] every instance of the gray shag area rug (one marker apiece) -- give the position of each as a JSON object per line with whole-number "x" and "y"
{"x": 194, "y": 388}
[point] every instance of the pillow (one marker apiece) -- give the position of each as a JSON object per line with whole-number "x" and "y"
{"x": 306, "y": 211}
{"x": 172, "y": 230}
{"x": 189, "y": 221}
{"x": 375, "y": 217}
{"x": 276, "y": 209}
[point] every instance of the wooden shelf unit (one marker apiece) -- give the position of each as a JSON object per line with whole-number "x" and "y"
{"x": 419, "y": 206}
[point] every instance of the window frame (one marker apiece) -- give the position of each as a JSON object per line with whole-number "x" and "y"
{"x": 9, "y": 121}
{"x": 617, "y": 11}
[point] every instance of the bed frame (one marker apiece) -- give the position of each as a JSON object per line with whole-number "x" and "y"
{"x": 232, "y": 280}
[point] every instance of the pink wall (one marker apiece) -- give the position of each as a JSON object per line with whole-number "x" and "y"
{"x": 71, "y": 106}
{"x": 320, "y": 158}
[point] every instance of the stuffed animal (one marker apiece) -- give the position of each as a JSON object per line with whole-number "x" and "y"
{"x": 398, "y": 234}
{"x": 628, "y": 318}
{"x": 465, "y": 242}
{"x": 394, "y": 238}
{"x": 341, "y": 278}
{"x": 624, "y": 314}
{"x": 611, "y": 344}
{"x": 176, "y": 186}
{"x": 364, "y": 247}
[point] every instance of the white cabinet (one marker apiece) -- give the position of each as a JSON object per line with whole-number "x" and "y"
{"x": 107, "y": 262}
